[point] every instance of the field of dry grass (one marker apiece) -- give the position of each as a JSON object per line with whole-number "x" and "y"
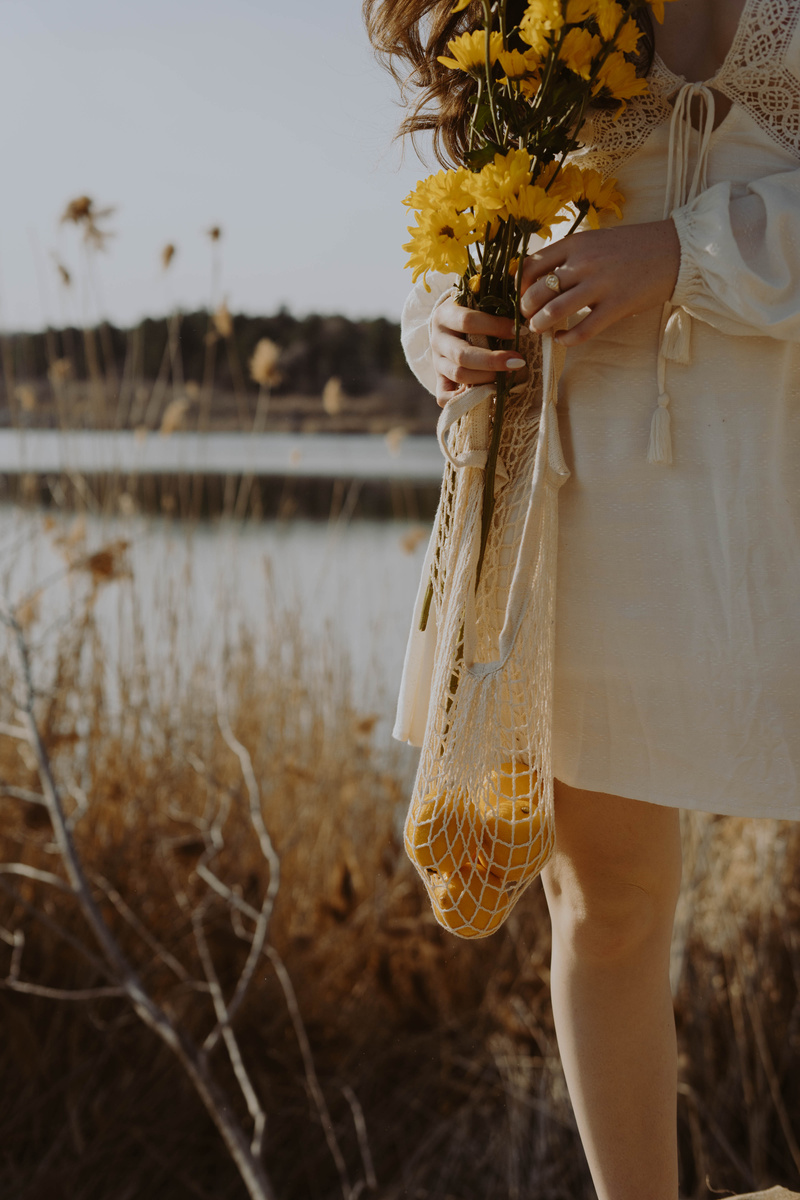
{"x": 389, "y": 1059}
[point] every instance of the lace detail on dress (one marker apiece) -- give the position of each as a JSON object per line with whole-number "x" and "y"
{"x": 761, "y": 74}
{"x": 762, "y": 70}
{"x": 609, "y": 139}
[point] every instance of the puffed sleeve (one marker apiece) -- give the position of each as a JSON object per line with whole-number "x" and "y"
{"x": 740, "y": 257}
{"x": 415, "y": 325}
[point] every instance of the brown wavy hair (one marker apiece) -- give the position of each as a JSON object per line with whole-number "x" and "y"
{"x": 409, "y": 35}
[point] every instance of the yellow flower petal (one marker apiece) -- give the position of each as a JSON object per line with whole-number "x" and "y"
{"x": 541, "y": 20}
{"x": 578, "y": 51}
{"x": 469, "y": 51}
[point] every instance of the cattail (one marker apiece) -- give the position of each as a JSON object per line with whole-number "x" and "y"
{"x": 394, "y": 439}
{"x": 263, "y": 362}
{"x": 223, "y": 322}
{"x": 59, "y": 370}
{"x": 26, "y": 396}
{"x": 167, "y": 254}
{"x": 333, "y": 397}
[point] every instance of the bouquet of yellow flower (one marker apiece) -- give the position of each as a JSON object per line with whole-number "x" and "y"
{"x": 480, "y": 824}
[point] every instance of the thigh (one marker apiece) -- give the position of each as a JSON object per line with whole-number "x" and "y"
{"x": 606, "y": 844}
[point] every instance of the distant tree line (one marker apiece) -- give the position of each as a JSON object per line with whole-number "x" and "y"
{"x": 363, "y": 354}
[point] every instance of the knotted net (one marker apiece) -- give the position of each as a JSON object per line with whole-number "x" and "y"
{"x": 480, "y": 824}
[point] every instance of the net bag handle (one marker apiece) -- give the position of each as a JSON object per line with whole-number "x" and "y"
{"x": 549, "y": 467}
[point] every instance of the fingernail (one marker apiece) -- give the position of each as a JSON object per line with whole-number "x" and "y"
{"x": 515, "y": 363}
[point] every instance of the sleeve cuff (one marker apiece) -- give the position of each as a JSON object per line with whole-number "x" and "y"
{"x": 690, "y": 280}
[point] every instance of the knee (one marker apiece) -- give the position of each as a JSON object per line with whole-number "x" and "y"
{"x": 608, "y": 919}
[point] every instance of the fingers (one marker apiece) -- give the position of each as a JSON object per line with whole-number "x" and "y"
{"x": 457, "y": 361}
{"x": 543, "y": 262}
{"x": 469, "y": 322}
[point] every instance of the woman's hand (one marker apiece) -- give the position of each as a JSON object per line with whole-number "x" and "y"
{"x": 455, "y": 361}
{"x": 614, "y": 272}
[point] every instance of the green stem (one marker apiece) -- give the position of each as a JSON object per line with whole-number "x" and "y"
{"x": 487, "y": 511}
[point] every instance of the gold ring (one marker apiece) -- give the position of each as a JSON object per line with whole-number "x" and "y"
{"x": 553, "y": 282}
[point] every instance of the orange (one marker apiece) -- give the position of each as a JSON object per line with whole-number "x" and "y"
{"x": 511, "y": 837}
{"x": 469, "y": 903}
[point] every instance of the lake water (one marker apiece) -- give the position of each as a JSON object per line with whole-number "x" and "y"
{"x": 193, "y": 583}
{"x": 409, "y": 459}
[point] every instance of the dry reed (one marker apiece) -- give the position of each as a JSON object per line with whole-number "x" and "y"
{"x": 435, "y": 1060}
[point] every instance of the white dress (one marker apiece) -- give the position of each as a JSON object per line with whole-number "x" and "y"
{"x": 677, "y": 677}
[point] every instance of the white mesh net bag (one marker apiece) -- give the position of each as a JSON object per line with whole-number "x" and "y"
{"x": 480, "y": 824}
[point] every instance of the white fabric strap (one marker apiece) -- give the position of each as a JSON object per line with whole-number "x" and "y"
{"x": 549, "y": 458}
{"x": 674, "y": 337}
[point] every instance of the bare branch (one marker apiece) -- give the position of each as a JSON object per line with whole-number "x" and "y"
{"x": 363, "y": 1140}
{"x": 17, "y": 793}
{"x": 267, "y": 849}
{"x": 151, "y": 1014}
{"x": 59, "y": 930}
{"x": 232, "y": 1046}
{"x": 34, "y": 873}
{"x": 50, "y": 993}
{"x": 144, "y": 933}
{"x": 310, "y": 1070}
{"x": 227, "y": 893}
{"x": 14, "y": 731}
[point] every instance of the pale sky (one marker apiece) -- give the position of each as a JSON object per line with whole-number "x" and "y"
{"x": 267, "y": 117}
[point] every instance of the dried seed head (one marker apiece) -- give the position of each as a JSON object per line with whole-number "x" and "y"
{"x": 82, "y": 211}
{"x": 223, "y": 322}
{"x": 215, "y": 233}
{"x": 63, "y": 273}
{"x": 174, "y": 415}
{"x": 394, "y": 439}
{"x": 60, "y": 370}
{"x": 333, "y": 397}
{"x": 263, "y": 363}
{"x": 167, "y": 254}
{"x": 26, "y": 395}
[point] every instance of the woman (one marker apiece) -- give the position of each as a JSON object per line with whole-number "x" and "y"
{"x": 678, "y": 622}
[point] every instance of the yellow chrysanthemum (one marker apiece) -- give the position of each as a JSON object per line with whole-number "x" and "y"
{"x": 579, "y": 10}
{"x": 469, "y": 51}
{"x": 522, "y": 70}
{"x": 517, "y": 64}
{"x": 445, "y": 189}
{"x": 500, "y": 180}
{"x": 594, "y": 195}
{"x": 618, "y": 79}
{"x": 535, "y": 210}
{"x": 608, "y": 15}
{"x": 628, "y": 38}
{"x": 439, "y": 242}
{"x": 658, "y": 10}
{"x": 552, "y": 179}
{"x": 540, "y": 21}
{"x": 578, "y": 49}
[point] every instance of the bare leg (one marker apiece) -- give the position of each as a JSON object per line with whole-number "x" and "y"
{"x": 611, "y": 888}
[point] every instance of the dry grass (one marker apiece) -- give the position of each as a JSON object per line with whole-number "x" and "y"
{"x": 447, "y": 1048}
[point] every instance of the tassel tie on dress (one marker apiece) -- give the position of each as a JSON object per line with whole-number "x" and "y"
{"x": 674, "y": 336}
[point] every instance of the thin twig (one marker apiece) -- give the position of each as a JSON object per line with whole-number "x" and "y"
{"x": 310, "y": 1070}
{"x": 222, "y": 1011}
{"x": 34, "y": 873}
{"x": 17, "y": 793}
{"x": 151, "y": 1014}
{"x": 361, "y": 1133}
{"x": 51, "y": 993}
{"x": 144, "y": 933}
